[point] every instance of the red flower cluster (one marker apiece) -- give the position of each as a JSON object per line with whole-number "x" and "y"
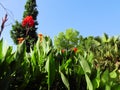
{"x": 28, "y": 21}
{"x": 75, "y": 50}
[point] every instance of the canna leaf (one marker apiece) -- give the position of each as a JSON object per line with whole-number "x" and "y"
{"x": 89, "y": 83}
{"x": 33, "y": 60}
{"x": 105, "y": 76}
{"x": 84, "y": 64}
{"x": 21, "y": 50}
{"x": 116, "y": 48}
{"x": 9, "y": 55}
{"x": 96, "y": 81}
{"x": 107, "y": 87}
{"x": 65, "y": 80}
{"x": 105, "y": 38}
{"x": 113, "y": 74}
{"x": 50, "y": 68}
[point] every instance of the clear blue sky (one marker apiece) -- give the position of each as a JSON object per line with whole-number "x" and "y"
{"x": 89, "y": 17}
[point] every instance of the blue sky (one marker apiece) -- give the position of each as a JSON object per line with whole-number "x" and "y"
{"x": 89, "y": 17}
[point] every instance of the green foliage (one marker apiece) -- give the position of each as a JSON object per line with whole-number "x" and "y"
{"x": 65, "y": 80}
{"x": 94, "y": 66}
{"x": 30, "y": 9}
{"x": 84, "y": 64}
{"x": 17, "y": 32}
{"x": 38, "y": 65}
{"x": 67, "y": 40}
{"x": 89, "y": 83}
{"x": 6, "y": 71}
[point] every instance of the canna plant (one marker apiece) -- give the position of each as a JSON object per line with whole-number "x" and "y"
{"x": 92, "y": 64}
{"x": 97, "y": 58}
{"x": 6, "y": 59}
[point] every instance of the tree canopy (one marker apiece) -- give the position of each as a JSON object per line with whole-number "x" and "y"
{"x": 67, "y": 40}
{"x": 27, "y": 33}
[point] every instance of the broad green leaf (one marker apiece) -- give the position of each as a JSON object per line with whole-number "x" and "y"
{"x": 90, "y": 58}
{"x": 47, "y": 65}
{"x": 68, "y": 63}
{"x": 21, "y": 50}
{"x": 113, "y": 74}
{"x": 116, "y": 48}
{"x": 50, "y": 67}
{"x": 105, "y": 77}
{"x": 20, "y": 54}
{"x": 107, "y": 87}
{"x": 33, "y": 60}
{"x": 96, "y": 83}
{"x": 104, "y": 38}
{"x": 44, "y": 46}
{"x": 89, "y": 83}
{"x": 40, "y": 52}
{"x": 96, "y": 80}
{"x": 9, "y": 55}
{"x": 65, "y": 80}
{"x": 97, "y": 43}
{"x": 84, "y": 64}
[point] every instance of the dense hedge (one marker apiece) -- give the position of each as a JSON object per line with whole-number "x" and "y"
{"x": 92, "y": 65}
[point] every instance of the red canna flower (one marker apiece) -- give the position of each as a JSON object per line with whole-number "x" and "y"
{"x": 63, "y": 50}
{"x": 20, "y": 40}
{"x": 75, "y": 50}
{"x": 40, "y": 36}
{"x": 28, "y": 21}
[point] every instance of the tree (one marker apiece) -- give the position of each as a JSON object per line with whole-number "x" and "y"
{"x": 25, "y": 30}
{"x": 67, "y": 40}
{"x": 3, "y": 23}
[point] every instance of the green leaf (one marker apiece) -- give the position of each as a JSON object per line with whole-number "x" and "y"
{"x": 50, "y": 67}
{"x": 84, "y": 64}
{"x": 21, "y": 49}
{"x": 116, "y": 48}
{"x": 68, "y": 63}
{"x": 65, "y": 80}
{"x": 96, "y": 83}
{"x": 90, "y": 58}
{"x": 113, "y": 74}
{"x": 105, "y": 77}
{"x": 9, "y": 55}
{"x": 104, "y": 38}
{"x": 96, "y": 80}
{"x": 107, "y": 87}
{"x": 33, "y": 60}
{"x": 89, "y": 83}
